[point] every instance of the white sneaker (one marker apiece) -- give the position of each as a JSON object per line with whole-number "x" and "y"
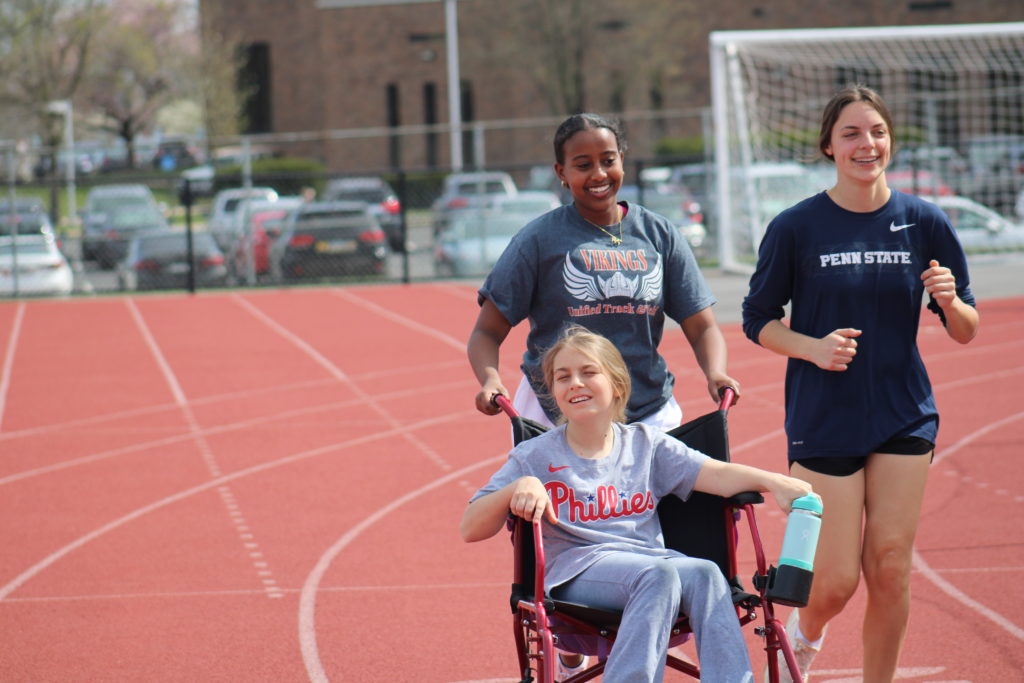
{"x": 803, "y": 651}
{"x": 563, "y": 671}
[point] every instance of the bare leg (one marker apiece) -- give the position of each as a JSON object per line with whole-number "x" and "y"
{"x": 895, "y": 487}
{"x": 838, "y": 559}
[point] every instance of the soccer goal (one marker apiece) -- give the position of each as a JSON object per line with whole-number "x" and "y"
{"x": 956, "y": 95}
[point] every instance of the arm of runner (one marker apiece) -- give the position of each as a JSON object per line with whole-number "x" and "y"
{"x": 483, "y": 348}
{"x": 835, "y": 351}
{"x": 709, "y": 348}
{"x": 961, "y": 318}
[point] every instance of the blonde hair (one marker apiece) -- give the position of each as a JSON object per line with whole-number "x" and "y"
{"x": 604, "y": 352}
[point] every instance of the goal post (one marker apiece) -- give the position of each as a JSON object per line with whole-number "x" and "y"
{"x": 956, "y": 94}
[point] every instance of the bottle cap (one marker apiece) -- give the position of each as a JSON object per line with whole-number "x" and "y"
{"x": 810, "y": 502}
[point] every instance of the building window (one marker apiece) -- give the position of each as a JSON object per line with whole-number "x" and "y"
{"x": 430, "y": 118}
{"x": 254, "y": 82}
{"x": 468, "y": 116}
{"x": 394, "y": 120}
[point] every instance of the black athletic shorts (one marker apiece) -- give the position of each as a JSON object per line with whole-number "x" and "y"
{"x": 844, "y": 466}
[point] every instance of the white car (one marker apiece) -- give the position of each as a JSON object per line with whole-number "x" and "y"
{"x": 223, "y": 222}
{"x": 32, "y": 264}
{"x": 979, "y": 227}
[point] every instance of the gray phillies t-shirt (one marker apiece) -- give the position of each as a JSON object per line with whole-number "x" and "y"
{"x": 559, "y": 270}
{"x": 603, "y": 505}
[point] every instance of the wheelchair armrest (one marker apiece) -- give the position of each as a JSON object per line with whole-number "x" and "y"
{"x": 746, "y": 498}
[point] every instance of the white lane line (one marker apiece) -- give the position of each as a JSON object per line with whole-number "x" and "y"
{"x": 443, "y": 337}
{"x": 307, "y": 604}
{"x": 53, "y": 557}
{"x": 12, "y": 344}
{"x": 307, "y": 599}
{"x": 340, "y": 375}
{"x": 261, "y": 421}
{"x": 161, "y": 361}
{"x": 227, "y": 497}
{"x": 158, "y": 408}
{"x": 942, "y": 584}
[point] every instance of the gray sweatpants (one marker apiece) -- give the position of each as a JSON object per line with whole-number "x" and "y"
{"x": 649, "y": 591}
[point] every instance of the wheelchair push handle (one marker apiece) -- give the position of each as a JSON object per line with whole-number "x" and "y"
{"x": 501, "y": 400}
{"x": 727, "y": 396}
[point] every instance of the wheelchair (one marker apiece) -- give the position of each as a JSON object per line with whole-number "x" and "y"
{"x": 704, "y": 526}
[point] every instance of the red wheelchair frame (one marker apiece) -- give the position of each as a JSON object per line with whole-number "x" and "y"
{"x": 704, "y": 526}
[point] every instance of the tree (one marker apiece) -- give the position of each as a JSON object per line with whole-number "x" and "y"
{"x": 584, "y": 54}
{"x": 45, "y": 46}
{"x": 216, "y": 75}
{"x": 144, "y": 53}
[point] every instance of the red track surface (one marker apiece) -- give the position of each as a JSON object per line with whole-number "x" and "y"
{"x": 267, "y": 486}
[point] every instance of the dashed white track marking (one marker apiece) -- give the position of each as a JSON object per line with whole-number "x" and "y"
{"x": 227, "y": 497}
{"x": 53, "y": 557}
{"x": 262, "y": 420}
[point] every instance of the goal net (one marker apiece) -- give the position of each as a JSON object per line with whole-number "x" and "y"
{"x": 956, "y": 94}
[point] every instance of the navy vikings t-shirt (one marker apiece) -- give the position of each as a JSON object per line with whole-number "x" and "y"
{"x": 559, "y": 270}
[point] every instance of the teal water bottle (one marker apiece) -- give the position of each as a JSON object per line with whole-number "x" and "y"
{"x": 790, "y": 583}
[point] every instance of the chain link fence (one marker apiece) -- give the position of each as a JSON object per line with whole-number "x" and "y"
{"x": 173, "y": 232}
{"x": 192, "y": 232}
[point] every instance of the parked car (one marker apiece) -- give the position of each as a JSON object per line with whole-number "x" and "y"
{"x": 379, "y": 195}
{"x": 979, "y": 227}
{"x": 265, "y": 223}
{"x": 675, "y": 205}
{"x": 465, "y": 190}
{"x": 473, "y": 239}
{"x": 223, "y": 221}
{"x": 774, "y": 187}
{"x": 160, "y": 261}
{"x": 329, "y": 239}
{"x": 175, "y": 153}
{"x": 945, "y": 161}
{"x": 543, "y": 177}
{"x": 917, "y": 182}
{"x": 996, "y": 164}
{"x": 113, "y": 215}
{"x": 28, "y": 216}
{"x": 33, "y": 264}
{"x": 535, "y": 202}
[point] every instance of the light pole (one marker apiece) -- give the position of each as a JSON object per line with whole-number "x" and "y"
{"x": 65, "y": 109}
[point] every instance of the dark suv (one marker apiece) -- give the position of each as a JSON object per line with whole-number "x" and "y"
{"x": 379, "y": 195}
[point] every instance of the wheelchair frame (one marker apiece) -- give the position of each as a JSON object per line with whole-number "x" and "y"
{"x": 541, "y": 624}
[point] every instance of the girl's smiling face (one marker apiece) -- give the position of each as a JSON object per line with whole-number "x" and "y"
{"x": 593, "y": 171}
{"x": 581, "y": 387}
{"x": 860, "y": 144}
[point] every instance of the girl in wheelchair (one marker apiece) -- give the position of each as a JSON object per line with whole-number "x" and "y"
{"x": 596, "y": 482}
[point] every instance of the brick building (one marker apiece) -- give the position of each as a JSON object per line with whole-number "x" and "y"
{"x": 360, "y": 72}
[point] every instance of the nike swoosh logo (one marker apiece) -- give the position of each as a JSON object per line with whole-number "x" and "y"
{"x": 552, "y": 468}
{"x": 896, "y": 228}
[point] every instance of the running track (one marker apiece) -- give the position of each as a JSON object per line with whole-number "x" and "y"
{"x": 266, "y": 486}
